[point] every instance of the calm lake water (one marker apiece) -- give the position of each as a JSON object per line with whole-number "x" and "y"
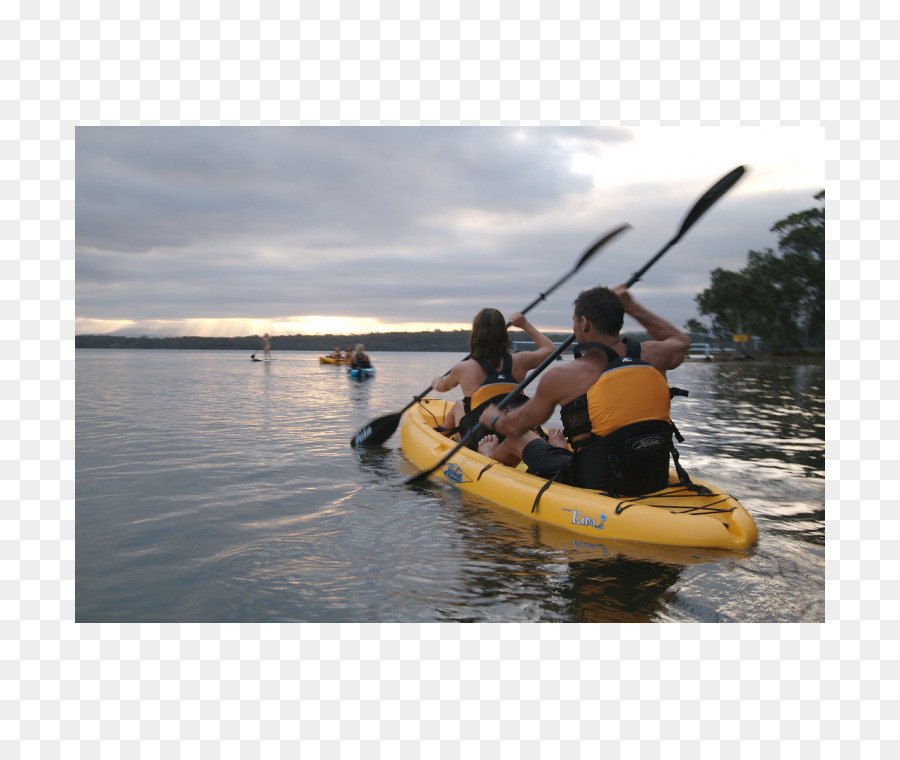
{"x": 210, "y": 488}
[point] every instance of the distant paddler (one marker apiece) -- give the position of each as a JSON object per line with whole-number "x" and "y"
{"x": 360, "y": 358}
{"x": 336, "y": 357}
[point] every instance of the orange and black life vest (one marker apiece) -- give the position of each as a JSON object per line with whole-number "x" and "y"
{"x": 626, "y": 412}
{"x": 495, "y": 386}
{"x": 629, "y": 390}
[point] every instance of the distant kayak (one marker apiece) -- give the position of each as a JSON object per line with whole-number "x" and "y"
{"x": 332, "y": 360}
{"x": 361, "y": 374}
{"x": 254, "y": 359}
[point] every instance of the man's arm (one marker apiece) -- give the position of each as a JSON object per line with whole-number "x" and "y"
{"x": 532, "y": 413}
{"x": 671, "y": 344}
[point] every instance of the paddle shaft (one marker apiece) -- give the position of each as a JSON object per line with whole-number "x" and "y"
{"x": 697, "y": 210}
{"x": 584, "y": 257}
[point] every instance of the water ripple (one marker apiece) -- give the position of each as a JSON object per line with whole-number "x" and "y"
{"x": 209, "y": 491}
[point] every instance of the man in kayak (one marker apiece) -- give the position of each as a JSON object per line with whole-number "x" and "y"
{"x": 490, "y": 373}
{"x": 614, "y": 402}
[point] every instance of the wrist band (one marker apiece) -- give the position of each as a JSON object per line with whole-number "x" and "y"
{"x": 493, "y": 422}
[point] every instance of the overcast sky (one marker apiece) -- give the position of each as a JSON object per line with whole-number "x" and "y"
{"x": 243, "y": 230}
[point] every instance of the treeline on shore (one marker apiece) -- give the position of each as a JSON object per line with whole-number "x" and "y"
{"x": 436, "y": 340}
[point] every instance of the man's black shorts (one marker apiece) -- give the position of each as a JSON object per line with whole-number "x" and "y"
{"x": 546, "y": 460}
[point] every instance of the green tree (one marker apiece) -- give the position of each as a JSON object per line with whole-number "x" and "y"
{"x": 778, "y": 296}
{"x": 727, "y": 303}
{"x": 802, "y": 243}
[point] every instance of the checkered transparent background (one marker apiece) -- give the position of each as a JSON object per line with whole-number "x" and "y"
{"x": 447, "y": 690}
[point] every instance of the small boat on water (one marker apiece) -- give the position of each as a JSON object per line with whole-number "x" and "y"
{"x": 361, "y": 373}
{"x": 332, "y": 360}
{"x": 674, "y": 516}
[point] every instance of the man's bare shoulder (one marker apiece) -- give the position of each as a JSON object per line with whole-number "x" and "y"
{"x": 566, "y": 381}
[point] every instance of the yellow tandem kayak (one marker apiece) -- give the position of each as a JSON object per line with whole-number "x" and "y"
{"x": 674, "y": 516}
{"x": 332, "y": 360}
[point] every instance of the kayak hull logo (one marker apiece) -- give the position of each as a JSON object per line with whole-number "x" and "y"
{"x": 455, "y": 474}
{"x": 580, "y": 518}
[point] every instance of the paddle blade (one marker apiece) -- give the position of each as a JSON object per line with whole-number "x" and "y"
{"x": 376, "y": 432}
{"x": 597, "y": 246}
{"x": 709, "y": 198}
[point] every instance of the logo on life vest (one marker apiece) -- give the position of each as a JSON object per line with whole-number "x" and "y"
{"x": 646, "y": 443}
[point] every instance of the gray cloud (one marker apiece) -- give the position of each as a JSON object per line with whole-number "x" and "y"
{"x": 402, "y": 224}
{"x": 143, "y": 187}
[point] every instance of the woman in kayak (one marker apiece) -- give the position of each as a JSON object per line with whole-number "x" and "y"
{"x": 490, "y": 373}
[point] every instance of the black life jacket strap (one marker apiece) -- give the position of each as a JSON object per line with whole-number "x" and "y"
{"x": 632, "y": 348}
{"x": 613, "y": 462}
{"x": 684, "y": 478}
{"x": 673, "y": 392}
{"x": 505, "y": 367}
{"x": 611, "y": 355}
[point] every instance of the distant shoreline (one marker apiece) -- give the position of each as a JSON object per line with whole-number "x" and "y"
{"x": 436, "y": 341}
